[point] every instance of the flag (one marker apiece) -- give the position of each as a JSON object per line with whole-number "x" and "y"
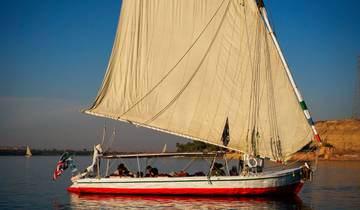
{"x": 65, "y": 161}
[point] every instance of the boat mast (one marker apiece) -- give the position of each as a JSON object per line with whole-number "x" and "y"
{"x": 263, "y": 12}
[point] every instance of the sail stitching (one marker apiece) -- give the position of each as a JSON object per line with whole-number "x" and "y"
{"x": 177, "y": 63}
{"x": 222, "y": 86}
{"x": 214, "y": 77}
{"x": 184, "y": 73}
{"x": 245, "y": 61}
{"x": 195, "y": 72}
{"x": 238, "y": 72}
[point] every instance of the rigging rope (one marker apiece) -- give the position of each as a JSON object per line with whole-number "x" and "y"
{"x": 104, "y": 133}
{"x": 275, "y": 143}
{"x": 112, "y": 138}
{"x": 188, "y": 164}
{"x": 254, "y": 100}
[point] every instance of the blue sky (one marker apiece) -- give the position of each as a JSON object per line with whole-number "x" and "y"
{"x": 53, "y": 55}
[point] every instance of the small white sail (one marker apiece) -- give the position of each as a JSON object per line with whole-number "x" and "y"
{"x": 188, "y": 67}
{"x": 28, "y": 152}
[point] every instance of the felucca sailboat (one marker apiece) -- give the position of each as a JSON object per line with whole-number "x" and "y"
{"x": 28, "y": 152}
{"x": 210, "y": 71}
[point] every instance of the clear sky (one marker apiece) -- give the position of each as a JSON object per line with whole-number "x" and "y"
{"x": 53, "y": 55}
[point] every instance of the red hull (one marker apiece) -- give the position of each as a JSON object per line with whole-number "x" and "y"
{"x": 289, "y": 189}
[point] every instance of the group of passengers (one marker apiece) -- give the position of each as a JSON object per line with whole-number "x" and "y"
{"x": 217, "y": 170}
{"x": 122, "y": 171}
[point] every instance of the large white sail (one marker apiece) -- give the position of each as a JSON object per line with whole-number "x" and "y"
{"x": 190, "y": 67}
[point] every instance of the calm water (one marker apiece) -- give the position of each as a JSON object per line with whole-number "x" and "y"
{"x": 26, "y": 184}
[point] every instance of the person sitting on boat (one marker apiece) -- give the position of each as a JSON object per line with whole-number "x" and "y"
{"x": 151, "y": 172}
{"x": 233, "y": 171}
{"x": 218, "y": 170}
{"x": 139, "y": 174}
{"x": 154, "y": 172}
{"x": 199, "y": 173}
{"x": 147, "y": 172}
{"x": 121, "y": 171}
{"x": 182, "y": 174}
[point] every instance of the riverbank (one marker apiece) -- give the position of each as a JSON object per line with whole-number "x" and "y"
{"x": 326, "y": 154}
{"x": 343, "y": 135}
{"x": 341, "y": 141}
{"x": 20, "y": 151}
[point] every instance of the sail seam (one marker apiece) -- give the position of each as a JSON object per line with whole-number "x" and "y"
{"x": 222, "y": 86}
{"x": 194, "y": 74}
{"x": 177, "y": 63}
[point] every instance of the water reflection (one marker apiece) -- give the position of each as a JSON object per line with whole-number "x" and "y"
{"x": 178, "y": 202}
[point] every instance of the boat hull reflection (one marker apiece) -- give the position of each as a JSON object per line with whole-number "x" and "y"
{"x": 90, "y": 201}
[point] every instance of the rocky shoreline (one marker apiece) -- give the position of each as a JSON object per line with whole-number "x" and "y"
{"x": 326, "y": 154}
{"x": 341, "y": 141}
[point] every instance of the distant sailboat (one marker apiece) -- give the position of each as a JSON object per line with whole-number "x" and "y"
{"x": 210, "y": 71}
{"x": 28, "y": 152}
{"x": 164, "y": 149}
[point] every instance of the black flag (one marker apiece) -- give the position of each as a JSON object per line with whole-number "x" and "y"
{"x": 226, "y": 133}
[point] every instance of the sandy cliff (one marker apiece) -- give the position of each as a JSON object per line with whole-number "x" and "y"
{"x": 341, "y": 141}
{"x": 344, "y": 135}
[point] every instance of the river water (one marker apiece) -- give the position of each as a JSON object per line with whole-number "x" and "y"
{"x": 26, "y": 183}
